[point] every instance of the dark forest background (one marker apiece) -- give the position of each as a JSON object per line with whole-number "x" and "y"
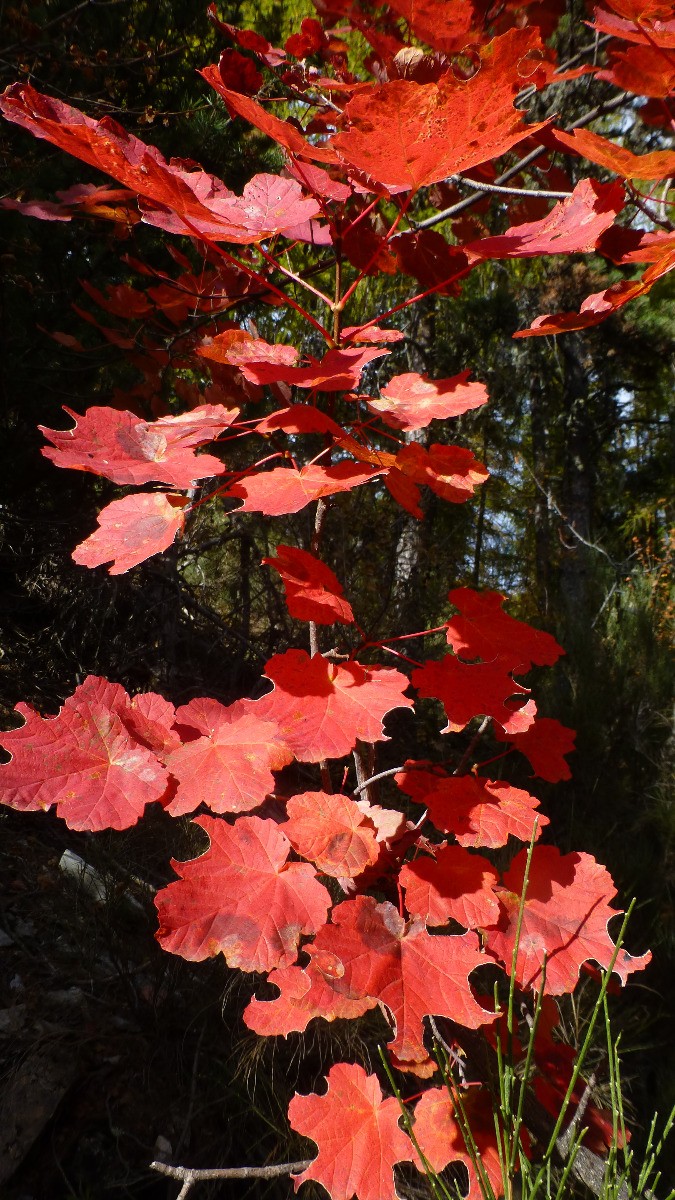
{"x": 128, "y": 1045}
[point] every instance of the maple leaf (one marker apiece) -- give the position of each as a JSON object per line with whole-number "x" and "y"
{"x": 304, "y": 993}
{"x": 410, "y": 972}
{"x": 323, "y": 708}
{"x": 333, "y": 832}
{"x": 600, "y": 305}
{"x": 407, "y": 135}
{"x": 479, "y": 812}
{"x": 85, "y": 760}
{"x": 455, "y": 885}
{"x": 282, "y": 132}
{"x": 484, "y": 630}
{"x": 300, "y": 418}
{"x": 151, "y": 719}
{"x": 439, "y": 1136}
{"x": 545, "y": 744}
{"x": 241, "y": 898}
{"x": 313, "y": 591}
{"x": 644, "y": 70}
{"x": 412, "y": 401}
{"x": 427, "y": 256}
{"x": 229, "y": 767}
{"x": 572, "y": 226}
{"x": 641, "y": 22}
{"x": 119, "y": 446}
{"x": 659, "y": 164}
{"x": 337, "y": 371}
{"x": 443, "y": 26}
{"x": 175, "y": 197}
{"x": 238, "y": 347}
{"x": 450, "y": 471}
{"x": 357, "y": 1133}
{"x": 285, "y": 490}
{"x": 565, "y": 919}
{"x": 370, "y": 333}
{"x": 469, "y": 690}
{"x": 268, "y": 205}
{"x": 131, "y": 530}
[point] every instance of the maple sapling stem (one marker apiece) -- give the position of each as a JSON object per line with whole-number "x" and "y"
{"x": 376, "y": 779}
{"x": 192, "y": 1175}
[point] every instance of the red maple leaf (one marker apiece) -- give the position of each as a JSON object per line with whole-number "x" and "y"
{"x": 359, "y": 334}
{"x": 176, "y": 197}
{"x": 406, "y": 135}
{"x": 440, "y": 1138}
{"x": 282, "y": 132}
{"x": 450, "y": 471}
{"x": 410, "y": 972}
{"x": 484, "y": 630}
{"x": 572, "y": 226}
{"x": 427, "y": 256}
{"x": 454, "y": 885}
{"x": 658, "y": 164}
{"x": 337, "y": 371}
{"x": 644, "y": 70}
{"x": 545, "y": 744}
{"x": 323, "y": 708}
{"x": 304, "y": 993}
{"x": 269, "y": 204}
{"x": 565, "y": 921}
{"x": 229, "y": 767}
{"x": 357, "y": 1133}
{"x": 639, "y": 21}
{"x": 131, "y": 530}
{"x": 480, "y": 812}
{"x": 444, "y": 26}
{"x": 412, "y": 401}
{"x": 242, "y": 898}
{"x": 238, "y": 347}
{"x": 333, "y": 832}
{"x": 313, "y": 591}
{"x": 119, "y": 446}
{"x": 284, "y": 490}
{"x": 300, "y": 418}
{"x": 85, "y": 760}
{"x": 469, "y": 690}
{"x": 601, "y": 305}
{"x": 151, "y": 718}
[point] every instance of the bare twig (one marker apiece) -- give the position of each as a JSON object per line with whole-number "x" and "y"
{"x": 362, "y": 785}
{"x": 191, "y": 1175}
{"x": 477, "y": 186}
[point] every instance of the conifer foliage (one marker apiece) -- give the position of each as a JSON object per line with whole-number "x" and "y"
{"x": 422, "y": 906}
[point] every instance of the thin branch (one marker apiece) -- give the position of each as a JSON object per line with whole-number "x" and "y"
{"x": 477, "y": 186}
{"x": 376, "y": 779}
{"x": 191, "y": 1175}
{"x": 553, "y": 507}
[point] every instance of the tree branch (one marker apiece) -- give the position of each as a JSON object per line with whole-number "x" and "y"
{"x": 191, "y": 1175}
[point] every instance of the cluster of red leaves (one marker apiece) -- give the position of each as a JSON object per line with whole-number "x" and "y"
{"x": 262, "y": 892}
